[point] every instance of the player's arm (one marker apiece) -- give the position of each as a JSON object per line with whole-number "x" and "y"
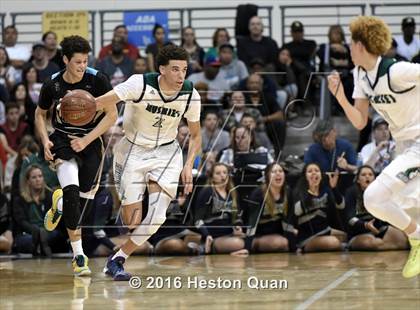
{"x": 193, "y": 149}
{"x": 111, "y": 115}
{"x": 109, "y": 99}
{"x": 357, "y": 114}
{"x": 41, "y": 127}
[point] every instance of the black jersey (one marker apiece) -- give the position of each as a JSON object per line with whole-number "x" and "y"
{"x": 55, "y": 88}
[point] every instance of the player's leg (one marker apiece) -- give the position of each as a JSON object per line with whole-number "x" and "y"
{"x": 159, "y": 201}
{"x": 379, "y": 199}
{"x": 68, "y": 176}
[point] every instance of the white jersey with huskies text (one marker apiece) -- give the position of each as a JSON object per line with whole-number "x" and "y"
{"x": 393, "y": 90}
{"x": 150, "y": 119}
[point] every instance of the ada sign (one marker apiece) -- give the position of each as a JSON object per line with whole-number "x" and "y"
{"x": 140, "y": 25}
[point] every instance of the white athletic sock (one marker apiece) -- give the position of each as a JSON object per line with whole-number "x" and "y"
{"x": 77, "y": 248}
{"x": 415, "y": 234}
{"x": 60, "y": 205}
{"x": 121, "y": 254}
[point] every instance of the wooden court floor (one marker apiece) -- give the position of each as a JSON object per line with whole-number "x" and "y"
{"x": 355, "y": 280}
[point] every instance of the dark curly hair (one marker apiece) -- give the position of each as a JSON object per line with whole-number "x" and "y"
{"x": 74, "y": 44}
{"x": 170, "y": 52}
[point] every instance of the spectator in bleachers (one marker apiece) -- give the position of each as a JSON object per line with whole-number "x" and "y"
{"x": 6, "y": 236}
{"x": 206, "y": 104}
{"x": 18, "y": 53}
{"x": 13, "y": 130}
{"x": 183, "y": 138}
{"x": 244, "y": 142}
{"x": 216, "y": 214}
{"x": 267, "y": 213}
{"x": 285, "y": 77}
{"x": 152, "y": 49}
{"x": 237, "y": 109}
{"x": 303, "y": 53}
{"x": 28, "y": 212}
{"x": 220, "y": 36}
{"x": 269, "y": 109}
{"x": 261, "y": 137}
{"x": 213, "y": 78}
{"x": 213, "y": 138}
{"x": 20, "y": 95}
{"x": 315, "y": 203}
{"x": 53, "y": 52}
{"x": 408, "y": 45}
{"x": 256, "y": 45}
{"x": 381, "y": 151}
{"x": 233, "y": 70}
{"x": 7, "y": 71}
{"x": 140, "y": 66}
{"x": 128, "y": 49}
{"x": 42, "y": 64}
{"x": 392, "y": 52}
{"x": 365, "y": 231}
{"x": 329, "y": 152}
{"x": 117, "y": 66}
{"x": 196, "y": 52}
{"x": 335, "y": 55}
{"x": 30, "y": 80}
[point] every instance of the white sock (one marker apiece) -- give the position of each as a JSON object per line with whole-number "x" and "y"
{"x": 60, "y": 205}
{"x": 415, "y": 234}
{"x": 77, "y": 248}
{"x": 121, "y": 254}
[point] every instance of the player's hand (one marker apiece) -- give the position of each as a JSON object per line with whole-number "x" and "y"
{"x": 369, "y": 225}
{"x": 242, "y": 252}
{"x": 77, "y": 144}
{"x": 47, "y": 150}
{"x": 334, "y": 84}
{"x": 333, "y": 178}
{"x": 187, "y": 179}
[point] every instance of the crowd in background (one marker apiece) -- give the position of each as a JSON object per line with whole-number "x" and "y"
{"x": 245, "y": 199}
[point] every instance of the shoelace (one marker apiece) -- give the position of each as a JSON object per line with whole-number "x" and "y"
{"x": 413, "y": 254}
{"x": 80, "y": 260}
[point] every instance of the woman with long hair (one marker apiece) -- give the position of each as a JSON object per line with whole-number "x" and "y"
{"x": 7, "y": 71}
{"x": 216, "y": 214}
{"x": 365, "y": 231}
{"x": 30, "y": 80}
{"x": 315, "y": 203}
{"x": 152, "y": 49}
{"x": 196, "y": 52}
{"x": 220, "y": 36}
{"x": 20, "y": 95}
{"x": 29, "y": 209}
{"x": 268, "y": 214}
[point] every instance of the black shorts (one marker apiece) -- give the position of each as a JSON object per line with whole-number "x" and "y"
{"x": 89, "y": 161}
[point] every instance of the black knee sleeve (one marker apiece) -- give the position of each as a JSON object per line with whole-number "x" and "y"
{"x": 71, "y": 206}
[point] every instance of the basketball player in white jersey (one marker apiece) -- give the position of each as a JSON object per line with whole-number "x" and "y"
{"x": 149, "y": 154}
{"x": 393, "y": 90}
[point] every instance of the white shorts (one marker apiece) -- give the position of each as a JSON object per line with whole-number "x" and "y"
{"x": 135, "y": 165}
{"x": 402, "y": 175}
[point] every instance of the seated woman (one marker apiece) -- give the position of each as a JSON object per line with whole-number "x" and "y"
{"x": 366, "y": 232}
{"x": 267, "y": 213}
{"x": 29, "y": 209}
{"x": 315, "y": 203}
{"x": 216, "y": 214}
{"x": 6, "y": 237}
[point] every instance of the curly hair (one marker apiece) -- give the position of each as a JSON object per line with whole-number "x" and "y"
{"x": 372, "y": 32}
{"x": 74, "y": 44}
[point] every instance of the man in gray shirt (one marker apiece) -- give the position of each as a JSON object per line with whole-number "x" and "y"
{"x": 213, "y": 138}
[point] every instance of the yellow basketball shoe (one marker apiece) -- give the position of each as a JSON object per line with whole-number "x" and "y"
{"x": 412, "y": 266}
{"x": 80, "y": 266}
{"x": 53, "y": 216}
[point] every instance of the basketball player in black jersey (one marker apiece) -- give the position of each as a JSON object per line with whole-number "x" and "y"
{"x": 76, "y": 151}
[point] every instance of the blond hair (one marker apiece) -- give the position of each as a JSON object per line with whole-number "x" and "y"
{"x": 372, "y": 32}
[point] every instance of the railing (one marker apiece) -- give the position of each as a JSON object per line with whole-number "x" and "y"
{"x": 316, "y": 19}
{"x": 29, "y": 25}
{"x": 110, "y": 19}
{"x": 394, "y": 13}
{"x": 206, "y": 20}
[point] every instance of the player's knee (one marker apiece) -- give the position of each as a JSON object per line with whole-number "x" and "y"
{"x": 71, "y": 206}
{"x": 375, "y": 195}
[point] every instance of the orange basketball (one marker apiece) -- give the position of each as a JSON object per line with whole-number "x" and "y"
{"x": 78, "y": 107}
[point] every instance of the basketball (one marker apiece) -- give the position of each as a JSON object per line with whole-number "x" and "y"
{"x": 78, "y": 107}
